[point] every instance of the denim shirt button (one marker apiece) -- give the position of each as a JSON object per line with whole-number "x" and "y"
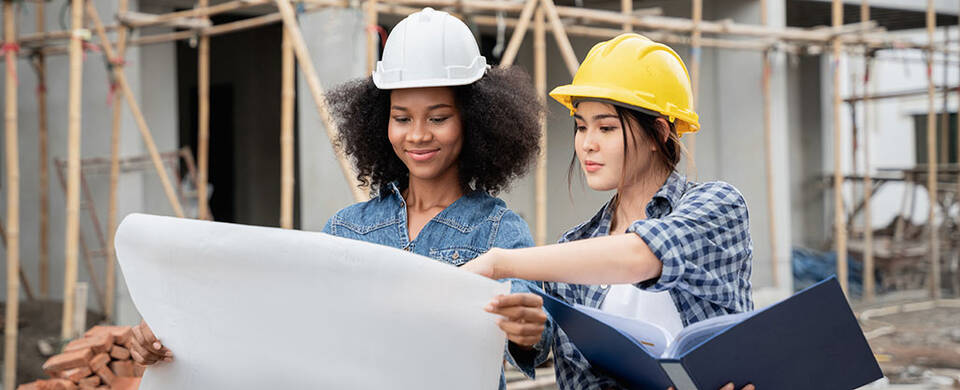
{"x": 456, "y": 255}
{"x": 407, "y": 248}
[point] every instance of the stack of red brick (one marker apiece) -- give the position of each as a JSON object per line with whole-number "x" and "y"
{"x": 99, "y": 360}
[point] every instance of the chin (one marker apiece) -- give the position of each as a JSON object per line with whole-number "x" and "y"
{"x": 598, "y": 184}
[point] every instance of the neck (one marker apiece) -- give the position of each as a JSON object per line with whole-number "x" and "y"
{"x": 632, "y": 199}
{"x": 440, "y": 191}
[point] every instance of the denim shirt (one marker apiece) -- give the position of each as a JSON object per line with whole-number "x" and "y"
{"x": 464, "y": 230}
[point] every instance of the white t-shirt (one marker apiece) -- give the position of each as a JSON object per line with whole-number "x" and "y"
{"x": 626, "y": 300}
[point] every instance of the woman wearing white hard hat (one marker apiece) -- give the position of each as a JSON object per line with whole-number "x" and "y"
{"x": 663, "y": 249}
{"x": 434, "y": 134}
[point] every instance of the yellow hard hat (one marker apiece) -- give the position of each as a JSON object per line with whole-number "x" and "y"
{"x": 631, "y": 70}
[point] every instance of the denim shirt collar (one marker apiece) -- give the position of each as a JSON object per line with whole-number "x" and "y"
{"x": 662, "y": 204}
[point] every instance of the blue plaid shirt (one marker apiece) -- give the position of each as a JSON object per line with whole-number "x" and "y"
{"x": 701, "y": 233}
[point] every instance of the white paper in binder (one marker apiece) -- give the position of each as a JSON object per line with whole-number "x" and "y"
{"x": 245, "y": 307}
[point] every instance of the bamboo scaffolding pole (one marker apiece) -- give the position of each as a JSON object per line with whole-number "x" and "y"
{"x": 768, "y": 158}
{"x": 540, "y": 79}
{"x": 111, "y": 277}
{"x": 840, "y": 227}
{"x": 932, "y": 229}
{"x": 626, "y": 7}
{"x": 607, "y": 33}
{"x": 372, "y": 36}
{"x": 121, "y": 79}
{"x": 85, "y": 252}
{"x": 869, "y": 282}
{"x": 23, "y": 276}
{"x": 287, "y": 93}
{"x": 73, "y": 169}
{"x": 695, "y": 51}
{"x": 563, "y": 42}
{"x": 516, "y": 39}
{"x": 203, "y": 127}
{"x": 40, "y": 63}
{"x": 10, "y": 332}
{"x": 310, "y": 74}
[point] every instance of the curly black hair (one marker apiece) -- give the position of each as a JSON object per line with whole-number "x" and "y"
{"x": 500, "y": 116}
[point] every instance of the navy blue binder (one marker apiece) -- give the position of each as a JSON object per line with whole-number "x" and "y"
{"x": 809, "y": 341}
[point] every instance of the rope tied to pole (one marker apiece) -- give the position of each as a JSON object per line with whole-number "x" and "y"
{"x": 10, "y": 51}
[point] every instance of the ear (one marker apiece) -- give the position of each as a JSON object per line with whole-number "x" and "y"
{"x": 663, "y": 130}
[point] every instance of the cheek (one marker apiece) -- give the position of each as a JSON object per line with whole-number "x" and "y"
{"x": 450, "y": 135}
{"x": 395, "y": 134}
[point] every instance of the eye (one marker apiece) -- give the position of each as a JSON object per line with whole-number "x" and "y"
{"x": 581, "y": 128}
{"x": 438, "y": 120}
{"x": 401, "y": 119}
{"x": 608, "y": 128}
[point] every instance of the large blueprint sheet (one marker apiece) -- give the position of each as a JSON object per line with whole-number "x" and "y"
{"x": 245, "y": 307}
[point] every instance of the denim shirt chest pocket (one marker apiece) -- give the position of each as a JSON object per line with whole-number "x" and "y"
{"x": 455, "y": 255}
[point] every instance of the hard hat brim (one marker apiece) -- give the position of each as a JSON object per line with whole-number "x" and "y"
{"x": 425, "y": 83}
{"x": 567, "y": 94}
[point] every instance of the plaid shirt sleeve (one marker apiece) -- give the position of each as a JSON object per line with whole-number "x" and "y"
{"x": 705, "y": 247}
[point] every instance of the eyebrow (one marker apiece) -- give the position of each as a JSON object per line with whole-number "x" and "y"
{"x": 597, "y": 117}
{"x": 433, "y": 107}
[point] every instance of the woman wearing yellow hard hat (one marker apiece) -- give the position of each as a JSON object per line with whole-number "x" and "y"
{"x": 664, "y": 249}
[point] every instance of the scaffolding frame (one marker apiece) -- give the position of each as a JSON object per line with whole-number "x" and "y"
{"x": 562, "y": 21}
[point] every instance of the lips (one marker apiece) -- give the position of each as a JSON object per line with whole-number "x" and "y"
{"x": 592, "y": 166}
{"x": 422, "y": 154}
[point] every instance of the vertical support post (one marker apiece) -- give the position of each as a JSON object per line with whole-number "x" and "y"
{"x": 73, "y": 168}
{"x": 373, "y": 49}
{"x": 768, "y": 156}
{"x": 203, "y": 127}
{"x": 44, "y": 157}
{"x": 313, "y": 82}
{"x": 626, "y": 6}
{"x": 563, "y": 42}
{"x": 839, "y": 219}
{"x": 932, "y": 160}
{"x": 540, "y": 80}
{"x": 695, "y": 51}
{"x": 13, "y": 200}
{"x": 111, "y": 277}
{"x": 869, "y": 282}
{"x": 287, "y": 95}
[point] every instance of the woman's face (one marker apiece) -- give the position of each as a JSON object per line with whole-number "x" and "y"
{"x": 600, "y": 148}
{"x": 425, "y": 130}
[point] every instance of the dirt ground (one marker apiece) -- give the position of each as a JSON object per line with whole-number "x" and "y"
{"x": 918, "y": 347}
{"x": 38, "y": 320}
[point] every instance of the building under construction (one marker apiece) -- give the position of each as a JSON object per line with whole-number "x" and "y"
{"x": 837, "y": 120}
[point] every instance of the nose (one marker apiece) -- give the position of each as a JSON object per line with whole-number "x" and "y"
{"x": 589, "y": 142}
{"x": 420, "y": 133}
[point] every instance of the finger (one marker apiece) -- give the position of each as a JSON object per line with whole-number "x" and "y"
{"x": 728, "y": 386}
{"x": 142, "y": 359}
{"x": 521, "y": 329}
{"x": 749, "y": 387}
{"x": 140, "y": 336}
{"x": 150, "y": 338}
{"x": 144, "y": 354}
{"x": 518, "y": 299}
{"x": 525, "y": 341}
{"x": 527, "y": 314}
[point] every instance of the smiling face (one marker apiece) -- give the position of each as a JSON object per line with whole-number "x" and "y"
{"x": 600, "y": 147}
{"x": 425, "y": 130}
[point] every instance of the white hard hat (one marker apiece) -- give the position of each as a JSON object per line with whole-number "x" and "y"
{"x": 429, "y": 49}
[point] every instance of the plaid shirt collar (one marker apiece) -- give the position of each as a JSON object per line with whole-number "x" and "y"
{"x": 660, "y": 205}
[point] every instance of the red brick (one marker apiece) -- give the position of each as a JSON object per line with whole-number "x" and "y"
{"x": 35, "y": 385}
{"x": 98, "y": 343}
{"x": 76, "y": 374}
{"x": 68, "y": 360}
{"x": 91, "y": 382}
{"x": 121, "y": 334}
{"x": 120, "y": 353}
{"x": 122, "y": 368}
{"x": 106, "y": 375}
{"x": 126, "y": 383}
{"x": 53, "y": 384}
{"x": 138, "y": 369}
{"x": 99, "y": 361}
